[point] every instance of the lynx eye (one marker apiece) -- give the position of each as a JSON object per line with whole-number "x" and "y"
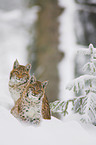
{"x": 33, "y": 94}
{"x": 40, "y": 92}
{"x": 16, "y": 72}
{"x": 24, "y": 74}
{"x": 32, "y": 88}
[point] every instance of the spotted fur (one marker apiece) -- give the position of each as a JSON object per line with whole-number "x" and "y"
{"x": 19, "y": 83}
{"x": 29, "y": 106}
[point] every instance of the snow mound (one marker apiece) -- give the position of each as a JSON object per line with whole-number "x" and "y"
{"x": 49, "y": 132}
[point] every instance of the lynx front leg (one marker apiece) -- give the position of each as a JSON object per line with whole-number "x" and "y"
{"x": 15, "y": 109}
{"x": 45, "y": 109}
{"x": 35, "y": 121}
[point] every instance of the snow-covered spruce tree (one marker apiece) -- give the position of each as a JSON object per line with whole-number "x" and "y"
{"x": 84, "y": 104}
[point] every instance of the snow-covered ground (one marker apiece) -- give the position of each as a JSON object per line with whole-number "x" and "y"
{"x": 48, "y": 133}
{"x": 13, "y": 42}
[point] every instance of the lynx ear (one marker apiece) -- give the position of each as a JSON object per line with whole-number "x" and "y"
{"x": 45, "y": 83}
{"x": 16, "y": 64}
{"x": 28, "y": 67}
{"x": 33, "y": 79}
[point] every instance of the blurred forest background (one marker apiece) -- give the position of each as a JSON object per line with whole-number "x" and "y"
{"x": 43, "y": 48}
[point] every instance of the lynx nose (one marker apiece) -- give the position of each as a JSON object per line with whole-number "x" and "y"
{"x": 19, "y": 76}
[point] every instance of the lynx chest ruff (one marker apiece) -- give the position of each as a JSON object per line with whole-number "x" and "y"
{"x": 33, "y": 110}
{"x": 16, "y": 90}
{"x": 15, "y": 93}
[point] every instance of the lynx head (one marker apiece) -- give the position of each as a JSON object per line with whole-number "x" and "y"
{"x": 36, "y": 89}
{"x": 20, "y": 73}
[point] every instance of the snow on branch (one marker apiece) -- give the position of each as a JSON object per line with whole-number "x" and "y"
{"x": 60, "y": 106}
{"x": 84, "y": 104}
{"x": 89, "y": 109}
{"x": 86, "y": 51}
{"x": 79, "y": 83}
{"x": 83, "y": 51}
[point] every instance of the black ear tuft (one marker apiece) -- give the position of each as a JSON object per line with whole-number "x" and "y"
{"x": 33, "y": 79}
{"x": 28, "y": 67}
{"x": 44, "y": 83}
{"x": 16, "y": 64}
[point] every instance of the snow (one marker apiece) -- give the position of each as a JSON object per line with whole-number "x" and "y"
{"x": 49, "y": 132}
{"x": 81, "y": 81}
{"x": 13, "y": 42}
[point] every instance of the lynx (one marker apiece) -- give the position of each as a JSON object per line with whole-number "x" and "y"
{"x": 19, "y": 78}
{"x": 18, "y": 82}
{"x": 30, "y": 106}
